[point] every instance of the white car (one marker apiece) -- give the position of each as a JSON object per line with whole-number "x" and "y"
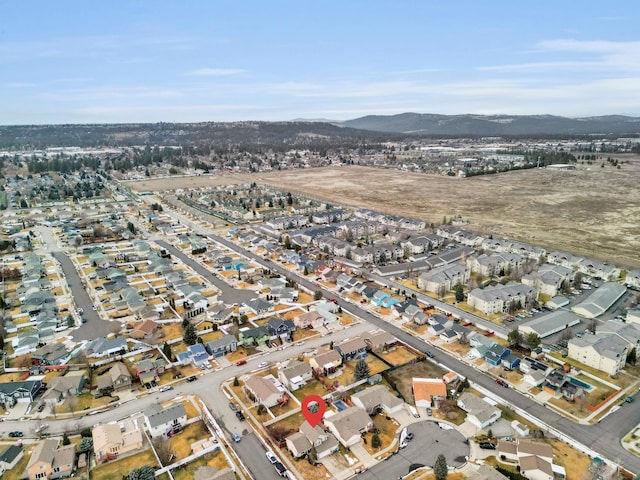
{"x": 166, "y": 388}
{"x": 263, "y": 364}
{"x": 299, "y": 344}
{"x": 271, "y": 457}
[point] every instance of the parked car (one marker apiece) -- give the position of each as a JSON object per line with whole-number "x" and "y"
{"x": 299, "y": 344}
{"x": 429, "y": 354}
{"x": 240, "y": 416}
{"x": 263, "y": 364}
{"x": 166, "y": 388}
{"x": 236, "y": 437}
{"x": 271, "y": 457}
{"x": 487, "y": 446}
{"x": 15, "y": 434}
{"x": 233, "y": 407}
{"x": 409, "y": 436}
{"x": 280, "y": 468}
{"x": 429, "y": 412}
{"x": 192, "y": 378}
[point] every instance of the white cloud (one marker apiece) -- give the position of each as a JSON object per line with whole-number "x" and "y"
{"x": 213, "y": 72}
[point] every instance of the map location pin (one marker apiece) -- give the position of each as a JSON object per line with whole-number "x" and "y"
{"x": 313, "y": 408}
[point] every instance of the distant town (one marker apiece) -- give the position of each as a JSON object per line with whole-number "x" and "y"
{"x": 173, "y": 332}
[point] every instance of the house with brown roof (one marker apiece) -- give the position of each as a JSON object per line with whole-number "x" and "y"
{"x": 144, "y": 330}
{"x": 117, "y": 378}
{"x": 351, "y": 348}
{"x": 113, "y": 439}
{"x": 427, "y": 391}
{"x": 50, "y": 460}
{"x": 349, "y": 425}
{"x": 311, "y": 319}
{"x": 376, "y": 397}
{"x": 379, "y": 341}
{"x": 263, "y": 391}
{"x": 326, "y": 363}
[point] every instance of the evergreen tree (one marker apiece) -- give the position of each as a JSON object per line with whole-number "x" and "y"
{"x": 440, "y": 469}
{"x": 146, "y": 472}
{"x": 190, "y": 335}
{"x": 166, "y": 349}
{"x": 375, "y": 441}
{"x": 362, "y": 370}
{"x": 65, "y": 439}
{"x": 514, "y": 337}
{"x": 459, "y": 293}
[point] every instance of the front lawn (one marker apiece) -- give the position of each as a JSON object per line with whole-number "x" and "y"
{"x": 313, "y": 388}
{"x": 386, "y": 431}
{"x": 213, "y": 459}
{"x": 181, "y": 443}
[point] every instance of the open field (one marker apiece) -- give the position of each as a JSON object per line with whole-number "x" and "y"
{"x": 590, "y": 211}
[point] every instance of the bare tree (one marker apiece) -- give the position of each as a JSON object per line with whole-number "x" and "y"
{"x": 23, "y": 361}
{"x": 567, "y": 335}
{"x": 72, "y": 403}
{"x": 163, "y": 450}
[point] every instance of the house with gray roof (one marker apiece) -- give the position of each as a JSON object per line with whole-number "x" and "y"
{"x": 444, "y": 278}
{"x": 160, "y": 420}
{"x": 375, "y": 397}
{"x": 9, "y": 458}
{"x": 102, "y": 347}
{"x": 22, "y": 391}
{"x": 222, "y": 346}
{"x": 307, "y": 437}
{"x": 479, "y": 412}
{"x": 295, "y": 374}
{"x": 349, "y": 425}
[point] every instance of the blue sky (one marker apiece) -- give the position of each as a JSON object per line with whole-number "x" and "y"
{"x": 146, "y": 61}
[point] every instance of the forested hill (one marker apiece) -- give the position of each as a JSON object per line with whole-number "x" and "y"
{"x": 210, "y": 133}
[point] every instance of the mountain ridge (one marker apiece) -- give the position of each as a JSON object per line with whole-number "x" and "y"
{"x": 495, "y": 125}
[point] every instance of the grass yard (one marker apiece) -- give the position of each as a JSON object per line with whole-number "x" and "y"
{"x": 119, "y": 468}
{"x": 575, "y": 463}
{"x": 292, "y": 422}
{"x": 240, "y": 353}
{"x": 214, "y": 459}
{"x": 211, "y": 336}
{"x": 572, "y": 408}
{"x": 191, "y": 409}
{"x": 313, "y": 388}
{"x": 386, "y": 431}
{"x": 84, "y": 402}
{"x": 403, "y": 376}
{"x": 398, "y": 356}
{"x": 308, "y": 471}
{"x": 181, "y": 444}
{"x": 290, "y": 406}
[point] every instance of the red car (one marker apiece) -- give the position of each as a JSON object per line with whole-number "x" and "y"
{"x": 240, "y": 362}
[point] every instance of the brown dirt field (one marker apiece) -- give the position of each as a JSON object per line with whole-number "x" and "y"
{"x": 589, "y": 211}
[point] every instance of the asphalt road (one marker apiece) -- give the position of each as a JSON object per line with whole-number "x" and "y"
{"x": 95, "y": 326}
{"x": 603, "y": 438}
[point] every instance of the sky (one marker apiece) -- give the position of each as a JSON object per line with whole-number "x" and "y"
{"x": 116, "y": 61}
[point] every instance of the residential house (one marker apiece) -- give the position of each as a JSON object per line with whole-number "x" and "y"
{"x": 207, "y": 472}
{"x": 50, "y": 460}
{"x": 113, "y": 439}
{"x": 149, "y": 370}
{"x": 68, "y": 385}
{"x": 259, "y": 306}
{"x": 428, "y": 391}
{"x": 376, "y": 397}
{"x": 199, "y": 355}
{"x": 222, "y": 346}
{"x": 379, "y": 341}
{"x": 102, "y": 347}
{"x": 479, "y": 412}
{"x": 535, "y": 459}
{"x": 21, "y": 391}
{"x": 307, "y": 437}
{"x": 117, "y": 378}
{"x": 295, "y": 374}
{"x": 9, "y": 458}
{"x": 310, "y": 319}
{"x": 254, "y": 336}
{"x": 263, "y": 391}
{"x": 144, "y": 330}
{"x": 50, "y": 354}
{"x": 220, "y": 313}
{"x": 278, "y": 326}
{"x": 326, "y": 363}
{"x": 352, "y": 348}
{"x": 349, "y": 425}
{"x": 160, "y": 420}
